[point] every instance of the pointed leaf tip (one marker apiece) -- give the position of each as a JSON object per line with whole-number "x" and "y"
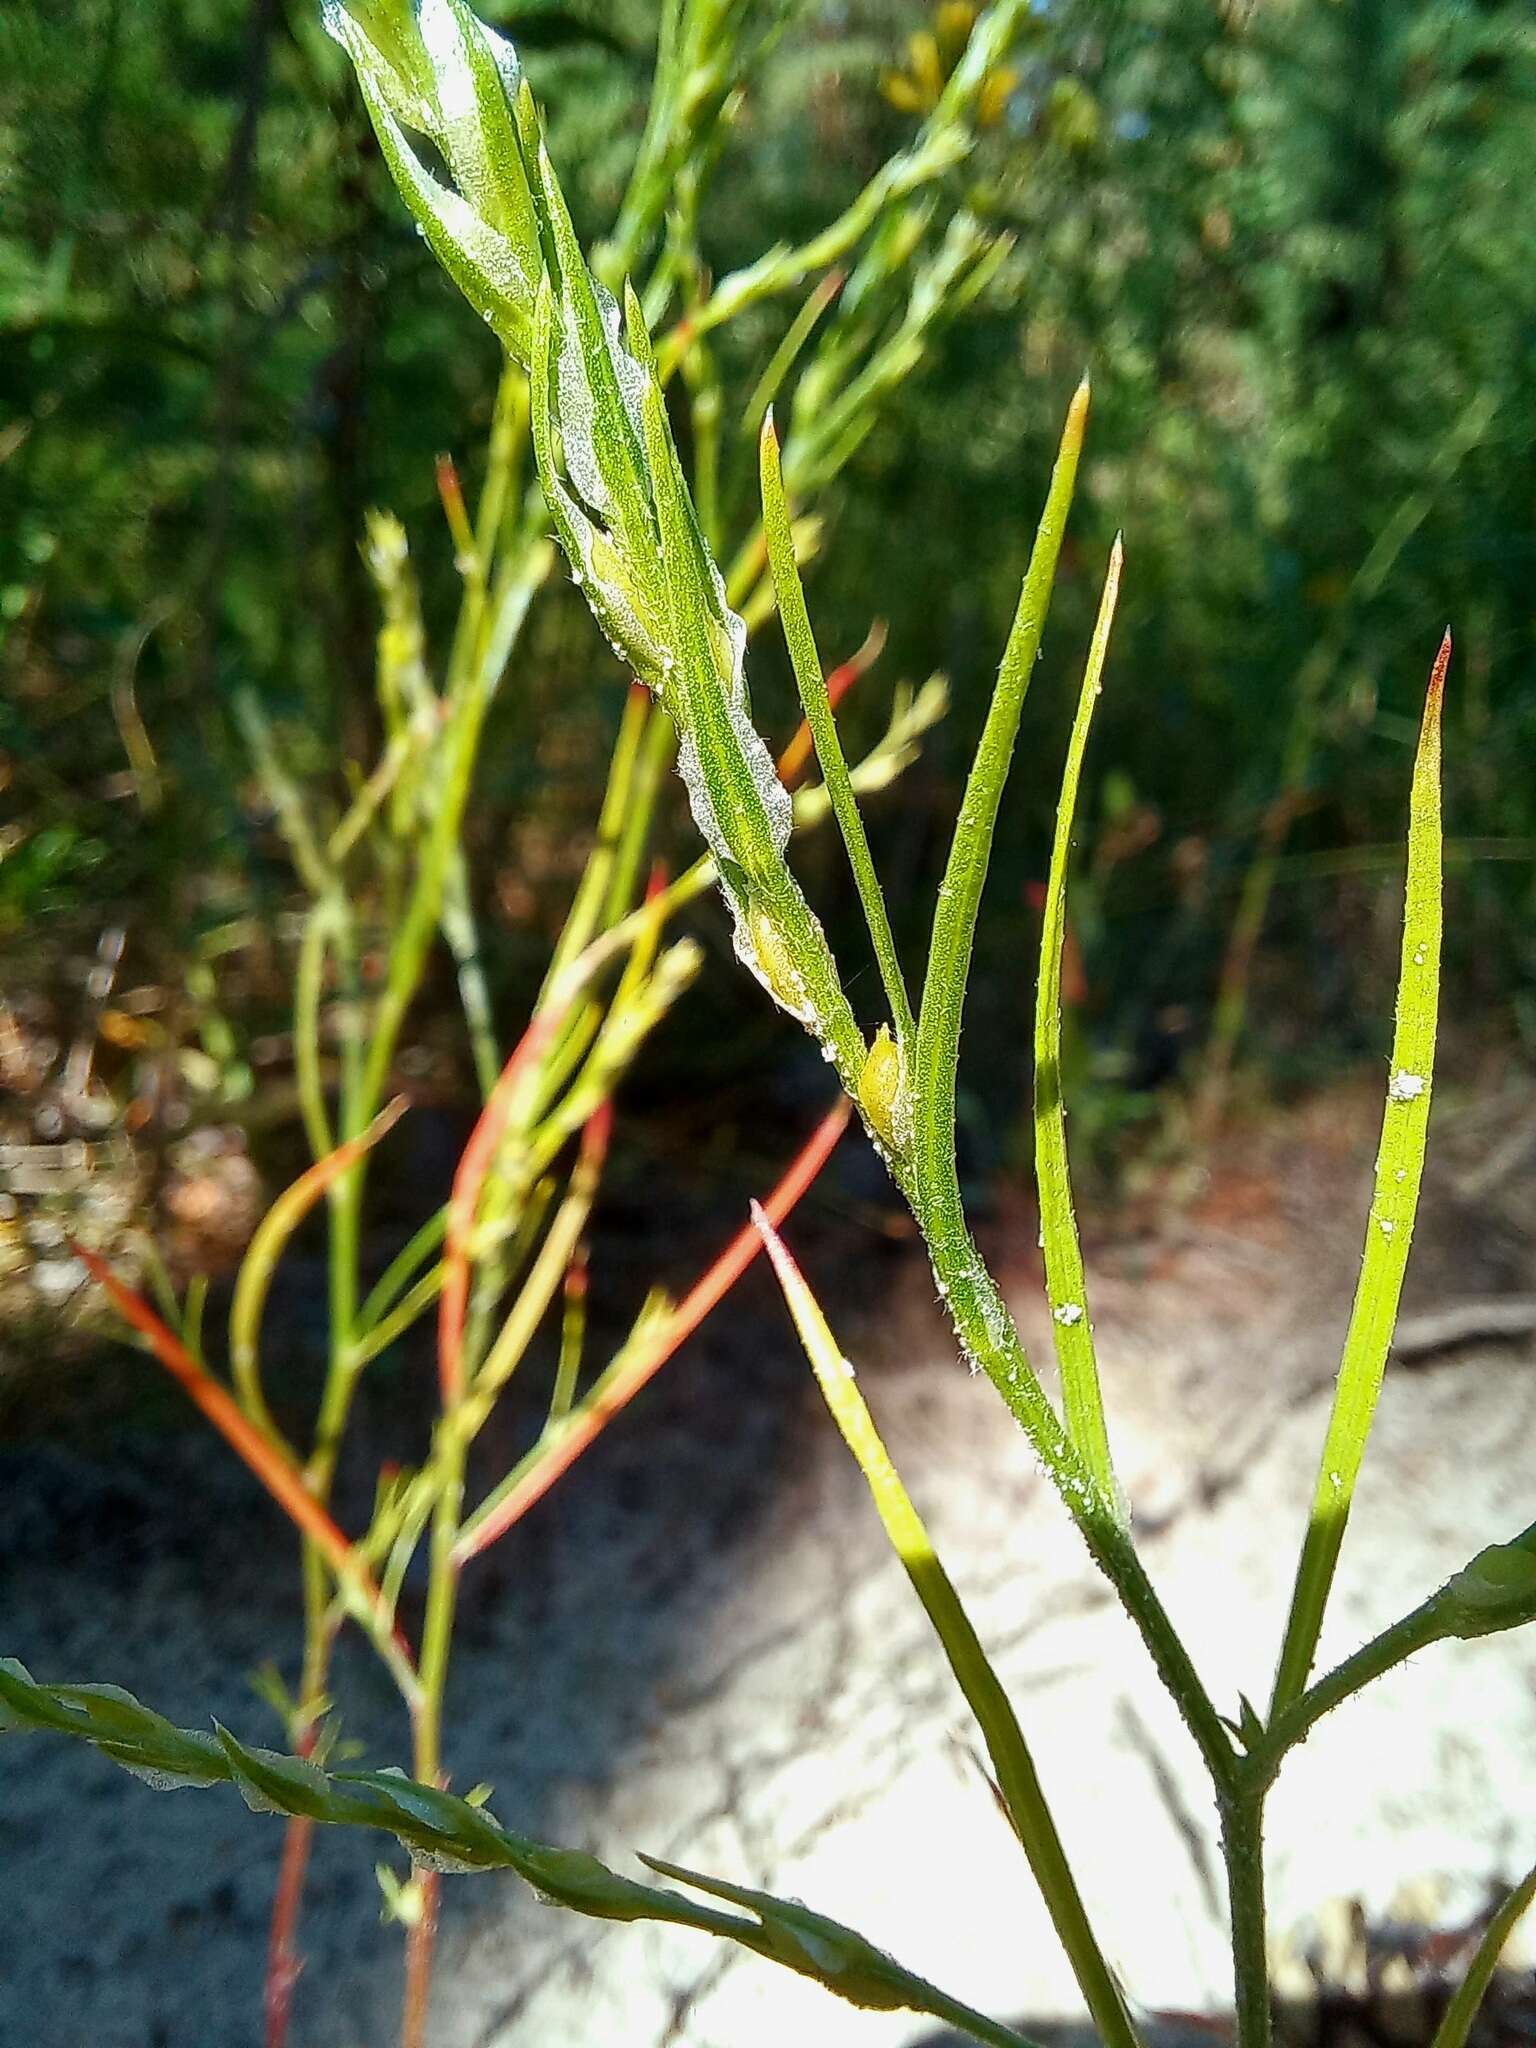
{"x": 764, "y": 1226}
{"x": 788, "y": 1273}
{"x": 1077, "y": 417}
{"x": 1438, "y": 673}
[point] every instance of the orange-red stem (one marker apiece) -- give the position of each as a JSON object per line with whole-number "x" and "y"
{"x": 726, "y": 1270}
{"x": 281, "y": 1479}
{"x": 284, "y": 1963}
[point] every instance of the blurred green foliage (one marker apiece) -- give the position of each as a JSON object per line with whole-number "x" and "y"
{"x": 1291, "y": 238}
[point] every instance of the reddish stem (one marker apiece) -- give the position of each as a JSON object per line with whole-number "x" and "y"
{"x": 683, "y": 1321}
{"x": 286, "y": 1485}
{"x": 284, "y": 1963}
{"x": 420, "y": 1947}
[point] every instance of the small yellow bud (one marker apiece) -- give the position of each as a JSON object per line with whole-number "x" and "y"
{"x": 882, "y": 1089}
{"x": 766, "y": 953}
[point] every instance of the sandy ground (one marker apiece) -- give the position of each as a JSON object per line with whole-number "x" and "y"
{"x": 700, "y": 1647}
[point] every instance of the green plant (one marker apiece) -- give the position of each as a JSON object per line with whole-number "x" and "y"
{"x": 382, "y": 862}
{"x": 641, "y": 544}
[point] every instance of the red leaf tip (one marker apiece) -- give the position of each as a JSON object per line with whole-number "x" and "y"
{"x": 1437, "y": 674}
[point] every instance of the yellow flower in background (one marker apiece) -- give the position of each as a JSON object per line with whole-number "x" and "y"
{"x": 932, "y": 54}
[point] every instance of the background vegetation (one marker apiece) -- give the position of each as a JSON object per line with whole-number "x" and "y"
{"x": 1289, "y": 238}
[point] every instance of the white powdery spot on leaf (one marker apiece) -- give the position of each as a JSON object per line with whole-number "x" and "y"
{"x": 1069, "y": 1312}
{"x": 994, "y": 1315}
{"x": 735, "y": 629}
{"x": 254, "y": 1797}
{"x": 443, "y": 41}
{"x": 631, "y": 378}
{"x": 1406, "y": 1087}
{"x": 499, "y": 267}
{"x": 507, "y": 60}
{"x": 372, "y": 72}
{"x": 700, "y": 802}
{"x": 783, "y": 984}
{"x": 777, "y": 802}
{"x": 575, "y": 405}
{"x": 576, "y": 413}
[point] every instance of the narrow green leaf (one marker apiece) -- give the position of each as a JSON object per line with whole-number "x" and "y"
{"x": 446, "y": 1833}
{"x": 1389, "y": 1232}
{"x": 784, "y": 357}
{"x": 477, "y": 78}
{"x": 446, "y": 75}
{"x": 1454, "y": 2028}
{"x": 801, "y": 641}
{"x": 954, "y": 923}
{"x": 482, "y": 262}
{"x": 598, "y": 391}
{"x": 975, "y": 1305}
{"x": 272, "y": 1783}
{"x": 836, "y": 1956}
{"x": 633, "y": 630}
{"x": 730, "y": 775}
{"x": 384, "y": 36}
{"x": 1065, "y": 1280}
{"x": 1018, "y": 1782}
{"x": 637, "y": 335}
{"x": 401, "y": 1271}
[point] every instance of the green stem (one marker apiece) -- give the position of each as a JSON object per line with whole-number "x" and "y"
{"x": 308, "y": 989}
{"x": 459, "y": 929}
{"x": 442, "y": 1601}
{"x": 782, "y": 361}
{"x": 427, "y": 1719}
{"x": 504, "y": 460}
{"x": 655, "y": 758}
{"x": 987, "y": 1335}
{"x": 345, "y": 1250}
{"x": 702, "y": 378}
{"x": 1394, "y": 1646}
{"x": 420, "y": 919}
{"x": 613, "y": 821}
{"x": 1242, "y": 1848}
